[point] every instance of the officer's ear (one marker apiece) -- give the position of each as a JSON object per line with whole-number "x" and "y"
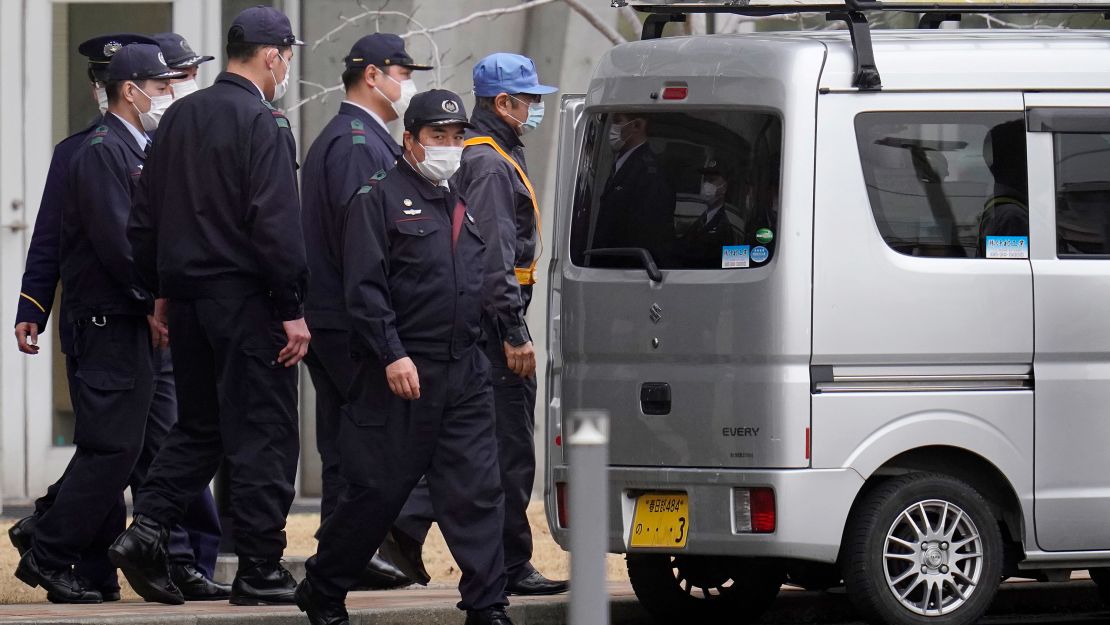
{"x": 130, "y": 91}
{"x": 503, "y": 102}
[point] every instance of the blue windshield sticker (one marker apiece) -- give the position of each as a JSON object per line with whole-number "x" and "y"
{"x": 735, "y": 256}
{"x": 760, "y": 254}
{"x": 1007, "y": 247}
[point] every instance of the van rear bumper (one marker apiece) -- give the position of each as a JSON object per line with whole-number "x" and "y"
{"x": 811, "y": 508}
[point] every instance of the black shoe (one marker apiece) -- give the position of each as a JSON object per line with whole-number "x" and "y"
{"x": 107, "y": 595}
{"x": 320, "y": 610}
{"x": 195, "y": 586}
{"x": 262, "y": 582}
{"x": 380, "y": 574}
{"x": 21, "y": 534}
{"x": 537, "y": 584}
{"x": 62, "y": 585}
{"x": 489, "y": 616}
{"x": 140, "y": 552}
{"x": 403, "y": 551}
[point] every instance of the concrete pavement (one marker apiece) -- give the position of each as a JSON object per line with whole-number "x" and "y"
{"x": 1019, "y": 603}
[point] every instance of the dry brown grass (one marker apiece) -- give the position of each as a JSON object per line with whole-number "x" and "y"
{"x": 548, "y": 557}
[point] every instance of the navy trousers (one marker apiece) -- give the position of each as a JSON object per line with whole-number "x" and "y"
{"x": 387, "y": 443}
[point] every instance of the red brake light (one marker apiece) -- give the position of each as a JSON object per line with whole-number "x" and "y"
{"x": 763, "y": 510}
{"x": 674, "y": 93}
{"x": 561, "y": 504}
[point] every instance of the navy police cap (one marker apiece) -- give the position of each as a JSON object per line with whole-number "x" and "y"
{"x": 140, "y": 61}
{"x": 262, "y": 25}
{"x": 437, "y": 107}
{"x": 99, "y": 50}
{"x": 177, "y": 52}
{"x": 381, "y": 50}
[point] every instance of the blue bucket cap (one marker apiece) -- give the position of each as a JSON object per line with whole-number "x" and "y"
{"x": 502, "y": 72}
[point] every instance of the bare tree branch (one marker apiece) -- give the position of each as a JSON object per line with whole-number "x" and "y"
{"x": 602, "y": 27}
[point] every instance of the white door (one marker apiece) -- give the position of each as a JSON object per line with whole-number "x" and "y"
{"x": 1069, "y": 167}
{"x": 46, "y": 98}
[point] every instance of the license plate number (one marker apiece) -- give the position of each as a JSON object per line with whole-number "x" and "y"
{"x": 661, "y": 520}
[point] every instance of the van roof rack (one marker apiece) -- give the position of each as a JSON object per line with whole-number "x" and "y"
{"x": 852, "y": 13}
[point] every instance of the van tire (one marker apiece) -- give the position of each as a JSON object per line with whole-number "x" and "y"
{"x": 1101, "y": 578}
{"x": 893, "y": 509}
{"x": 707, "y": 590}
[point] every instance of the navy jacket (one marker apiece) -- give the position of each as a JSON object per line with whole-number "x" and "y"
{"x": 351, "y": 148}
{"x": 217, "y": 213}
{"x": 42, "y": 271}
{"x": 639, "y": 195}
{"x": 407, "y": 290}
{"x": 96, "y": 265}
{"x": 501, "y": 204}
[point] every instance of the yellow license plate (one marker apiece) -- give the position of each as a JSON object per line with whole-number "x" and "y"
{"x": 661, "y": 520}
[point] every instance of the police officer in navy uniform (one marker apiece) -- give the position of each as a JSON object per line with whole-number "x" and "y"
{"x": 494, "y": 179}
{"x": 354, "y": 145}
{"x": 36, "y": 300}
{"x": 215, "y": 229}
{"x": 194, "y": 544}
{"x": 112, "y": 343}
{"x": 421, "y": 402}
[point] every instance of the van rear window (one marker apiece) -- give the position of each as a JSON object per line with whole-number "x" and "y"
{"x": 947, "y": 184}
{"x": 697, "y": 190}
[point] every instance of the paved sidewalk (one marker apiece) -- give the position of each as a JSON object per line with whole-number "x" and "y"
{"x": 412, "y": 606}
{"x": 1027, "y": 602}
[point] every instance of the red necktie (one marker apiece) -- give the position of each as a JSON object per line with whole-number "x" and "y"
{"x": 456, "y": 223}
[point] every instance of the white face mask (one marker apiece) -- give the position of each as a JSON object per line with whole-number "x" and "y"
{"x": 102, "y": 99}
{"x": 280, "y": 87}
{"x": 616, "y": 136}
{"x": 710, "y": 191}
{"x": 401, "y": 104}
{"x": 440, "y": 162}
{"x": 184, "y": 88}
{"x": 158, "y": 106}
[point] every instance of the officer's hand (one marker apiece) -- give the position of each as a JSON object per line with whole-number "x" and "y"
{"x": 522, "y": 360}
{"x": 403, "y": 378}
{"x": 159, "y": 326}
{"x": 294, "y": 351}
{"x": 27, "y": 335}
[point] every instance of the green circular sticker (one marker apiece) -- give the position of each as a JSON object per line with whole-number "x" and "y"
{"x": 764, "y": 235}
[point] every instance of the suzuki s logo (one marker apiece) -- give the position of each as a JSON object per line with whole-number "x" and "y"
{"x": 655, "y": 313}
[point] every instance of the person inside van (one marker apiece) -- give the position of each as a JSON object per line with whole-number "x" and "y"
{"x": 699, "y": 246}
{"x": 637, "y": 205}
{"x": 1006, "y": 213}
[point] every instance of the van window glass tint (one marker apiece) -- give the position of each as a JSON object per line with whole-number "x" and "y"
{"x": 1082, "y": 194}
{"x": 683, "y": 186}
{"x": 941, "y": 183}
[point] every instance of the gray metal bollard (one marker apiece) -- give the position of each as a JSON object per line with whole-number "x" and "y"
{"x": 588, "y": 503}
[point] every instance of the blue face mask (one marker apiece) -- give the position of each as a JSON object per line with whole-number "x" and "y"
{"x": 535, "y": 116}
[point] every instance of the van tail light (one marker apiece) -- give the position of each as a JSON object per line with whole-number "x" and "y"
{"x": 675, "y": 93}
{"x": 561, "y": 504}
{"x": 753, "y": 510}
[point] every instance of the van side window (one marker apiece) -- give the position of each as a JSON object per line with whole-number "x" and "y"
{"x": 945, "y": 184}
{"x": 697, "y": 190}
{"x": 1082, "y": 194}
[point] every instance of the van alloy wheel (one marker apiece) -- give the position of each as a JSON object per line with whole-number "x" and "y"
{"x": 922, "y": 548}
{"x": 934, "y": 557}
{"x": 707, "y": 590}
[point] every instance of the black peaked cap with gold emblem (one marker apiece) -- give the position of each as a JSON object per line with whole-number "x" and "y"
{"x": 437, "y": 107}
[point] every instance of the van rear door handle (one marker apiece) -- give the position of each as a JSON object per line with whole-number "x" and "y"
{"x": 655, "y": 398}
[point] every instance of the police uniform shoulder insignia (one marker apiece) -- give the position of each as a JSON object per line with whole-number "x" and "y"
{"x": 98, "y": 135}
{"x": 358, "y": 132}
{"x": 378, "y": 176}
{"x": 364, "y": 189}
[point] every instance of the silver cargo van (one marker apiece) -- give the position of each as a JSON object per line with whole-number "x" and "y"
{"x": 846, "y": 297}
